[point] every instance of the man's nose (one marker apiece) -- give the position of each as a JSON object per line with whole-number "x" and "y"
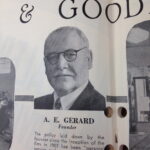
{"x": 62, "y": 62}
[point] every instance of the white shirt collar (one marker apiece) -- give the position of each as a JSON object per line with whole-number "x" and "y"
{"x": 68, "y": 100}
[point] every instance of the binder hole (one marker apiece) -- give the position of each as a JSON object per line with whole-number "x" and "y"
{"x": 109, "y": 147}
{"x": 108, "y": 112}
{"x": 122, "y": 112}
{"x": 123, "y": 147}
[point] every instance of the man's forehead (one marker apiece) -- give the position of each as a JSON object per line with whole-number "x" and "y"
{"x": 61, "y": 42}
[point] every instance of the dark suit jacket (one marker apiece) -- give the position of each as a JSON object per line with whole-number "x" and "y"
{"x": 89, "y": 99}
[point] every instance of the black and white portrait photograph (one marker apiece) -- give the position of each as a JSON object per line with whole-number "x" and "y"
{"x": 68, "y": 60}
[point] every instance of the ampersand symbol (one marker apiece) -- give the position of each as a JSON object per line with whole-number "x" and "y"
{"x": 26, "y": 15}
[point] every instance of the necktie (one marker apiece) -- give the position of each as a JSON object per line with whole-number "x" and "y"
{"x": 58, "y": 104}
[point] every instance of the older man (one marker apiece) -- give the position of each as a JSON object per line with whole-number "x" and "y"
{"x": 67, "y": 61}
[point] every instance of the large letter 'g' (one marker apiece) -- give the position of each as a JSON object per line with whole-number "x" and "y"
{"x": 73, "y": 8}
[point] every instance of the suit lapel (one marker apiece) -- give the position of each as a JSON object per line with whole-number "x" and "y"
{"x": 51, "y": 101}
{"x": 82, "y": 101}
{"x": 48, "y": 101}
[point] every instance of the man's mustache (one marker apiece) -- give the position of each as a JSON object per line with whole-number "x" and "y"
{"x": 65, "y": 72}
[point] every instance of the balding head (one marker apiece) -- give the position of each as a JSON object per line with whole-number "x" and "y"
{"x": 67, "y": 59}
{"x": 60, "y": 35}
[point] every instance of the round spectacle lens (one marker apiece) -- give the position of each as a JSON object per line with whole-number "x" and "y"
{"x": 70, "y": 55}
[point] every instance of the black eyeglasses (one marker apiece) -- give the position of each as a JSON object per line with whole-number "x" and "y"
{"x": 69, "y": 54}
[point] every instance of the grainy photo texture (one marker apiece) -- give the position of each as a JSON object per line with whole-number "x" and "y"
{"x": 138, "y": 62}
{"x": 7, "y": 85}
{"x": 68, "y": 59}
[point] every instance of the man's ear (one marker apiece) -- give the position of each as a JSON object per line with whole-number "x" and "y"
{"x": 45, "y": 62}
{"x": 90, "y": 59}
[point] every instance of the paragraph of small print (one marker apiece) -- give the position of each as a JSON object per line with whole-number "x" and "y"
{"x": 63, "y": 141}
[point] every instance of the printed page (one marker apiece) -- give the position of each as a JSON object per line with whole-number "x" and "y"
{"x": 80, "y": 71}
